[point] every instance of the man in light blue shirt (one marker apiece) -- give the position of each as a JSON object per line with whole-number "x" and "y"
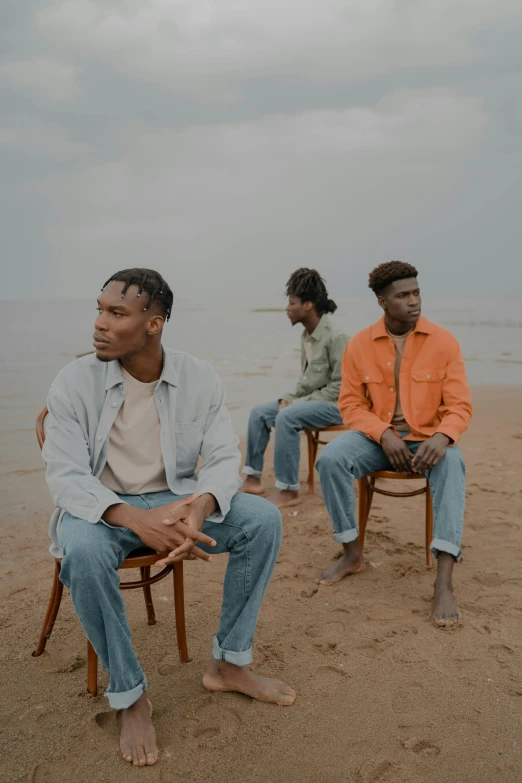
{"x": 125, "y": 430}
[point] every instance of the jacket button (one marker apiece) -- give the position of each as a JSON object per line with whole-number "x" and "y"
{"x": 367, "y": 378}
{"x": 391, "y": 389}
{"x": 428, "y": 376}
{"x": 389, "y": 364}
{"x": 114, "y": 404}
{"x": 98, "y": 438}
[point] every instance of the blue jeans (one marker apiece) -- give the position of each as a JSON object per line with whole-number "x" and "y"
{"x": 92, "y": 554}
{"x": 288, "y": 424}
{"x": 352, "y": 455}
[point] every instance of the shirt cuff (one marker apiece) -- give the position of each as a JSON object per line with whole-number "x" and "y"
{"x": 450, "y": 433}
{"x": 223, "y": 503}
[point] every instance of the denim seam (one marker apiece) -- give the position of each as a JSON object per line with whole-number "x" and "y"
{"x": 223, "y": 645}
{"x": 258, "y": 442}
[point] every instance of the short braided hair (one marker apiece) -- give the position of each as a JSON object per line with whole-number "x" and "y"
{"x": 309, "y": 286}
{"x": 385, "y": 274}
{"x": 148, "y": 282}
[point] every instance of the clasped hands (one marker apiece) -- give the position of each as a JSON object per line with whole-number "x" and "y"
{"x": 176, "y": 528}
{"x": 429, "y": 453}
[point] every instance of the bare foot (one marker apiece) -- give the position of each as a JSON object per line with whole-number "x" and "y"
{"x": 445, "y": 609}
{"x": 284, "y": 498}
{"x": 350, "y": 562}
{"x": 223, "y": 676}
{"x": 138, "y": 738}
{"x": 252, "y": 486}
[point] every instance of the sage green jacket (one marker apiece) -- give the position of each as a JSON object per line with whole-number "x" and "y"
{"x": 321, "y": 379}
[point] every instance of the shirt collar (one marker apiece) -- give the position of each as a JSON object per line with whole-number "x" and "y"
{"x": 379, "y": 329}
{"x": 321, "y": 328}
{"x": 168, "y": 374}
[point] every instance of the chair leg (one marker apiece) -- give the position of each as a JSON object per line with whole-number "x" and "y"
{"x": 52, "y": 611}
{"x": 179, "y": 605}
{"x": 92, "y": 670}
{"x": 151, "y": 616}
{"x": 364, "y": 512}
{"x": 429, "y": 525}
{"x": 311, "y": 461}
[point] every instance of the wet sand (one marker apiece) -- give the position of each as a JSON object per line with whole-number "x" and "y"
{"x": 383, "y": 695}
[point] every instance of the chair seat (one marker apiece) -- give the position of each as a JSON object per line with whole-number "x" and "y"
{"x": 141, "y": 557}
{"x": 395, "y": 474}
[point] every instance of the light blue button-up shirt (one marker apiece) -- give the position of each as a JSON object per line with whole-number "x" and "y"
{"x": 83, "y": 403}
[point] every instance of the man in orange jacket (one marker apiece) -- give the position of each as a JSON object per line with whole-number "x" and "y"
{"x": 405, "y": 397}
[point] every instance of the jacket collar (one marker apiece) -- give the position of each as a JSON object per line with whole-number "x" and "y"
{"x": 379, "y": 329}
{"x": 168, "y": 374}
{"x": 323, "y": 326}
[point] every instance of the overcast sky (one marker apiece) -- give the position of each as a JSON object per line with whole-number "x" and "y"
{"x": 227, "y": 142}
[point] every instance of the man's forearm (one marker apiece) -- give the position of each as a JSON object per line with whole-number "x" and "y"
{"x": 204, "y": 506}
{"x": 123, "y": 515}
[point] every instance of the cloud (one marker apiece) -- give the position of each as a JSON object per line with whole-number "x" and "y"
{"x": 223, "y": 196}
{"x": 52, "y": 78}
{"x": 203, "y": 46}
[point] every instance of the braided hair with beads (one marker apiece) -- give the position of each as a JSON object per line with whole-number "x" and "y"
{"x": 148, "y": 282}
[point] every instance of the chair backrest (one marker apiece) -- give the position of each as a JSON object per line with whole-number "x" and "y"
{"x": 40, "y": 426}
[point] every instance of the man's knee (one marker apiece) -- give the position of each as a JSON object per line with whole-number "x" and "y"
{"x": 258, "y": 516}
{"x": 328, "y": 459}
{"x": 342, "y": 453}
{"x": 453, "y": 460}
{"x": 86, "y": 551}
{"x": 289, "y": 417}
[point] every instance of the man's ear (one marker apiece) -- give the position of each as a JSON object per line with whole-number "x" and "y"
{"x": 155, "y": 324}
{"x": 382, "y": 302}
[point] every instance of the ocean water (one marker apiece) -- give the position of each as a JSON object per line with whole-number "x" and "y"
{"x": 255, "y": 353}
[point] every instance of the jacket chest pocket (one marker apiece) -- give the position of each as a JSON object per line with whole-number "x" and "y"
{"x": 427, "y": 387}
{"x": 373, "y": 381}
{"x": 188, "y": 437}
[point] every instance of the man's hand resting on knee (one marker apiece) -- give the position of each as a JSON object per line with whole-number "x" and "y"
{"x": 396, "y": 450}
{"x": 430, "y": 453}
{"x": 166, "y": 529}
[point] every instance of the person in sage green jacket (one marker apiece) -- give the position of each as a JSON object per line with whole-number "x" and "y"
{"x": 313, "y": 404}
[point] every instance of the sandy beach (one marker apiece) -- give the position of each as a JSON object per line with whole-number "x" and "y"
{"x": 383, "y": 695}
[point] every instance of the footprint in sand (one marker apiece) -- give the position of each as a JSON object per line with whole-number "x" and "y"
{"x": 502, "y": 654}
{"x": 333, "y": 631}
{"x": 379, "y": 772}
{"x": 107, "y": 721}
{"x": 169, "y": 664}
{"x": 210, "y": 722}
{"x": 491, "y": 579}
{"x": 64, "y": 662}
{"x": 328, "y": 679}
{"x": 37, "y": 775}
{"x": 422, "y": 747}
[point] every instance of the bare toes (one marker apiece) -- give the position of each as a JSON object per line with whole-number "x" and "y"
{"x": 126, "y": 752}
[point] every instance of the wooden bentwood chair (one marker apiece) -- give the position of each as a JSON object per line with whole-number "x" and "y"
{"x": 368, "y": 487}
{"x": 141, "y": 558}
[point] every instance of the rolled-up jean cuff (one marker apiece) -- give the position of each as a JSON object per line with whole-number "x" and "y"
{"x": 248, "y": 471}
{"x": 438, "y": 545}
{"x": 121, "y": 701}
{"x": 346, "y": 536}
{"x": 237, "y": 658}
{"x": 291, "y": 487}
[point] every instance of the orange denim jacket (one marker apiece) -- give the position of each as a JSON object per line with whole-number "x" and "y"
{"x": 435, "y": 396}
